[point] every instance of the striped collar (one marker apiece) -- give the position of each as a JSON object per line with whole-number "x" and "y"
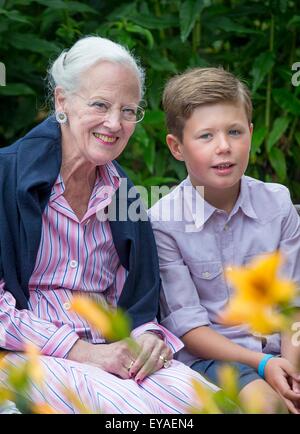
{"x": 106, "y": 184}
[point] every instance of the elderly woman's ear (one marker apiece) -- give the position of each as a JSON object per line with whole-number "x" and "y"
{"x": 60, "y": 99}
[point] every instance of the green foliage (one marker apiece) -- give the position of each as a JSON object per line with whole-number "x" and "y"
{"x": 256, "y": 39}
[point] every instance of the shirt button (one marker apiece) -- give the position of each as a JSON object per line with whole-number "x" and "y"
{"x": 67, "y": 305}
{"x": 87, "y": 222}
{"x": 73, "y": 264}
{"x": 226, "y": 228}
{"x": 206, "y": 274}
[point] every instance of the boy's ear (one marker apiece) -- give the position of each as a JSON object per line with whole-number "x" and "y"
{"x": 251, "y": 128}
{"x": 175, "y": 146}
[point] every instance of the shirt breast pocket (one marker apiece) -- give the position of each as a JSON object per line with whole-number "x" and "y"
{"x": 209, "y": 280}
{"x": 248, "y": 259}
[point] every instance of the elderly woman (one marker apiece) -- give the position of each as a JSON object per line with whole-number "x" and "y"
{"x": 53, "y": 183}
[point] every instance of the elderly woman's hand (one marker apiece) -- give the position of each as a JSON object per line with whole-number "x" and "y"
{"x": 115, "y": 358}
{"x": 153, "y": 354}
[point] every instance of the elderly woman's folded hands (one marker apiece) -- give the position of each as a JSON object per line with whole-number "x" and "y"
{"x": 153, "y": 355}
{"x": 124, "y": 359}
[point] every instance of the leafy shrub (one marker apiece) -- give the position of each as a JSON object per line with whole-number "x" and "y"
{"x": 255, "y": 39}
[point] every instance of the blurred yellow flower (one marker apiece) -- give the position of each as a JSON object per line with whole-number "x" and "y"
{"x": 34, "y": 367}
{"x": 73, "y": 398}
{"x": 259, "y": 291}
{"x": 258, "y": 281}
{"x": 3, "y": 362}
{"x": 5, "y": 395}
{"x": 112, "y": 323}
{"x": 43, "y": 408}
{"x": 228, "y": 381}
{"x": 93, "y": 313}
{"x": 205, "y": 400}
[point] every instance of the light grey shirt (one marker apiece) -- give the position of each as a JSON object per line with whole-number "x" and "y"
{"x": 195, "y": 247}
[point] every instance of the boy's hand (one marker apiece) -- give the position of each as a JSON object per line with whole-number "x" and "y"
{"x": 282, "y": 376}
{"x": 296, "y": 388}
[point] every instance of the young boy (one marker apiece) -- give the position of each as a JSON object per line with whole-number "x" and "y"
{"x": 208, "y": 112}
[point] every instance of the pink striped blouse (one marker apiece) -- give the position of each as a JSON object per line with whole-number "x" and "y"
{"x": 73, "y": 256}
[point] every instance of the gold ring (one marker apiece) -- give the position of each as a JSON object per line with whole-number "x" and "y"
{"x": 131, "y": 365}
{"x": 166, "y": 363}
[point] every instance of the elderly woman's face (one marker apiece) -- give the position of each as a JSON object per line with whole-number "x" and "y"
{"x": 95, "y": 136}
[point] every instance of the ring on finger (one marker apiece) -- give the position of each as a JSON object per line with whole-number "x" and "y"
{"x": 166, "y": 363}
{"x": 131, "y": 365}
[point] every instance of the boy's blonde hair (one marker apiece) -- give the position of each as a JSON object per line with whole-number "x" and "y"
{"x": 195, "y": 87}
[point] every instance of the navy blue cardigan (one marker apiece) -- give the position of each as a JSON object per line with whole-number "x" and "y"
{"x": 28, "y": 170}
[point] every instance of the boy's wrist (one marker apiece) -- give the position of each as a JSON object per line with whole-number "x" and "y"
{"x": 250, "y": 358}
{"x": 263, "y": 363}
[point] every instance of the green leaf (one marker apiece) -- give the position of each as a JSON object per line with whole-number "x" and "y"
{"x": 258, "y": 137}
{"x": 149, "y": 155}
{"x": 161, "y": 63}
{"x": 123, "y": 12}
{"x": 71, "y": 6}
{"x": 297, "y": 137}
{"x": 228, "y": 25}
{"x": 17, "y": 3}
{"x": 151, "y": 22}
{"x": 261, "y": 67}
{"x": 295, "y": 153}
{"x": 16, "y": 89}
{"x": 279, "y": 127}
{"x": 287, "y": 101}
{"x": 283, "y": 4}
{"x": 277, "y": 160}
{"x": 294, "y": 22}
{"x": 31, "y": 42}
{"x": 179, "y": 168}
{"x": 189, "y": 11}
{"x": 154, "y": 117}
{"x": 120, "y": 324}
{"x": 15, "y": 16}
{"x": 134, "y": 28}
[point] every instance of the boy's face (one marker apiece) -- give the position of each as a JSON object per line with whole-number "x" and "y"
{"x": 215, "y": 146}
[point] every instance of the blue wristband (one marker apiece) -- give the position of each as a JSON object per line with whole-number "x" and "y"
{"x": 262, "y": 365}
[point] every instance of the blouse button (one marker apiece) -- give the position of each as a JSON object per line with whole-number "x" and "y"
{"x": 73, "y": 264}
{"x": 67, "y": 305}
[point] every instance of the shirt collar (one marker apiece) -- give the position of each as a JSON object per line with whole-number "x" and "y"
{"x": 106, "y": 175}
{"x": 243, "y": 202}
{"x": 201, "y": 211}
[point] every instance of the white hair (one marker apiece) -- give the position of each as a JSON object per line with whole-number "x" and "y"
{"x": 67, "y": 69}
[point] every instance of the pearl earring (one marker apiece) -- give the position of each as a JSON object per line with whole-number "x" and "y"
{"x": 61, "y": 117}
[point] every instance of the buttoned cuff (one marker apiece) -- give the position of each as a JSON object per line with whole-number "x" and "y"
{"x": 169, "y": 338}
{"x": 61, "y": 342}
